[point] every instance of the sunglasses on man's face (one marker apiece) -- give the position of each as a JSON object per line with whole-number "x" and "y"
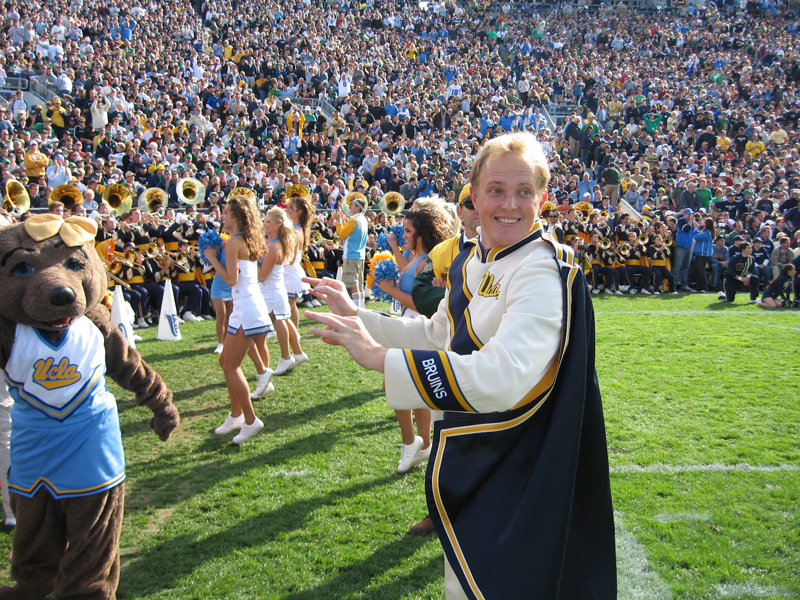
{"x": 468, "y": 205}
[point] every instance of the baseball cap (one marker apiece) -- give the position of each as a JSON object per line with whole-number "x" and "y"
{"x": 466, "y": 194}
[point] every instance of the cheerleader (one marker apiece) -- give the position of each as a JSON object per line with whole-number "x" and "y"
{"x": 221, "y": 300}
{"x": 249, "y": 320}
{"x": 301, "y": 212}
{"x": 424, "y": 226}
{"x": 281, "y": 248}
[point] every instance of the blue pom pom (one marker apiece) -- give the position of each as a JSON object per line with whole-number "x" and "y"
{"x": 209, "y": 239}
{"x": 383, "y": 239}
{"x": 386, "y": 270}
{"x": 398, "y": 231}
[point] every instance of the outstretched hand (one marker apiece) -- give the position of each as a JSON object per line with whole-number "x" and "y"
{"x": 334, "y": 294}
{"x": 350, "y": 333}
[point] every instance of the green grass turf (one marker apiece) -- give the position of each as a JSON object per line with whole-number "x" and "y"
{"x": 312, "y": 508}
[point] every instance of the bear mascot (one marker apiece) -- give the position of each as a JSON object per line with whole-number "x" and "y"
{"x": 57, "y": 346}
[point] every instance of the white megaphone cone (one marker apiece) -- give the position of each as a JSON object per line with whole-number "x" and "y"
{"x": 119, "y": 315}
{"x": 168, "y": 327}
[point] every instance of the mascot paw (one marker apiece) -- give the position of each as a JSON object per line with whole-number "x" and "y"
{"x": 164, "y": 421}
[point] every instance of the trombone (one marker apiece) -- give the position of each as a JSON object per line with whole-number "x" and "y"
{"x": 127, "y": 259}
{"x": 179, "y": 259}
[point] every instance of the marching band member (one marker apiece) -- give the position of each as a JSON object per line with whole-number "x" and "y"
{"x": 741, "y": 269}
{"x": 281, "y": 249}
{"x": 353, "y": 234}
{"x": 572, "y": 226}
{"x": 636, "y": 264}
{"x": 518, "y": 489}
{"x": 137, "y": 295}
{"x": 657, "y": 255}
{"x": 609, "y": 268}
{"x": 198, "y": 299}
{"x": 156, "y": 272}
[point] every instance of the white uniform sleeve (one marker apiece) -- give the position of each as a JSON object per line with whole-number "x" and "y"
{"x": 517, "y": 363}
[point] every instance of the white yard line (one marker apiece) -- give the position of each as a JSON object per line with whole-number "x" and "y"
{"x": 636, "y": 579}
{"x": 714, "y": 468}
{"x": 738, "y": 590}
{"x": 777, "y": 326}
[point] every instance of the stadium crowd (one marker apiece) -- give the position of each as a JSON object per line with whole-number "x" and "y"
{"x": 690, "y": 116}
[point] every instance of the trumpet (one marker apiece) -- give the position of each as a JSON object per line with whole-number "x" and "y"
{"x": 605, "y": 244}
{"x": 668, "y": 242}
{"x": 604, "y": 214}
{"x": 625, "y": 251}
{"x": 644, "y": 239}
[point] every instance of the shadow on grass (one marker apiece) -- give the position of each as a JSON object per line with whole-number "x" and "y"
{"x": 353, "y": 579}
{"x": 160, "y": 490}
{"x": 325, "y": 409}
{"x": 165, "y": 564}
{"x": 168, "y": 357}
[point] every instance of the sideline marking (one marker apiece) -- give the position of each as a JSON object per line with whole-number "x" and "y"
{"x": 715, "y": 468}
{"x": 636, "y": 579}
{"x": 777, "y": 326}
{"x": 737, "y": 590}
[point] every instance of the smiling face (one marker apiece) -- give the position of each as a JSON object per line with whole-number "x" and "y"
{"x": 506, "y": 200}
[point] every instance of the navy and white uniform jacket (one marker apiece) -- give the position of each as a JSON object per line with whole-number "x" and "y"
{"x": 66, "y": 434}
{"x": 517, "y": 484}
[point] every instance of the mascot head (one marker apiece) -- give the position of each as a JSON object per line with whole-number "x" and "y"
{"x": 50, "y": 273}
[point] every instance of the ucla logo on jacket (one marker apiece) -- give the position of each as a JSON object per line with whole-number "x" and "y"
{"x": 488, "y": 287}
{"x": 52, "y": 376}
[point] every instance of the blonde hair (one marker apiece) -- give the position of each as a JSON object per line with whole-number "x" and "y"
{"x": 448, "y": 208}
{"x": 523, "y": 145}
{"x": 285, "y": 233}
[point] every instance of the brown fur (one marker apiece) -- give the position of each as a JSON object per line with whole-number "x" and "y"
{"x": 48, "y": 285}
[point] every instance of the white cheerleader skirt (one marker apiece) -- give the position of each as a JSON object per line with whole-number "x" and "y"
{"x": 251, "y": 314}
{"x": 277, "y": 300}
{"x": 292, "y": 276}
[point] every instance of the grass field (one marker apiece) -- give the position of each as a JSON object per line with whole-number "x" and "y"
{"x": 702, "y": 404}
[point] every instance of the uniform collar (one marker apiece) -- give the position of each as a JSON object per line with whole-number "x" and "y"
{"x": 500, "y": 252}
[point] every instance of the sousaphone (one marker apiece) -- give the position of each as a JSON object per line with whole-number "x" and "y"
{"x": 118, "y": 198}
{"x": 152, "y": 197}
{"x": 191, "y": 191}
{"x": 392, "y": 203}
{"x": 16, "y": 197}
{"x": 67, "y": 194}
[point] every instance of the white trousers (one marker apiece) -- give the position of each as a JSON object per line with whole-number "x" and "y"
{"x": 5, "y": 449}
